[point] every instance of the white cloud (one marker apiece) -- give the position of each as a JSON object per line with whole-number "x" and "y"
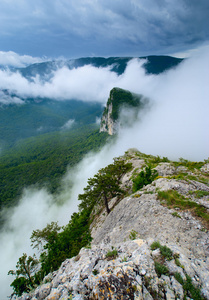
{"x": 87, "y": 83}
{"x": 98, "y": 120}
{"x": 13, "y": 59}
{"x": 68, "y": 124}
{"x": 7, "y": 99}
{"x": 177, "y": 123}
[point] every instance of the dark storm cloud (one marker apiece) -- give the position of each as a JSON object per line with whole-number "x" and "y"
{"x": 102, "y": 27}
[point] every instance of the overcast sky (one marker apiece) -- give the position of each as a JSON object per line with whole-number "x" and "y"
{"x": 78, "y": 28}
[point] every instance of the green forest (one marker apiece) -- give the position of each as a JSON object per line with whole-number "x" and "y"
{"x": 44, "y": 159}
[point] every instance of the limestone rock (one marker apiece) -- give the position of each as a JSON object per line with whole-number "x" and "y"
{"x": 117, "y": 101}
{"x": 165, "y": 169}
{"x": 131, "y": 274}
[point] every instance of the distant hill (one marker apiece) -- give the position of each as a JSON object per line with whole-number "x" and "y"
{"x": 38, "y": 117}
{"x": 154, "y": 65}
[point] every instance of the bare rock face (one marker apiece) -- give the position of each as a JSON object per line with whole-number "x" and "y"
{"x": 107, "y": 123}
{"x": 165, "y": 169}
{"x": 122, "y": 262}
{"x": 145, "y": 215}
{"x": 119, "y": 99}
{"x": 127, "y": 271}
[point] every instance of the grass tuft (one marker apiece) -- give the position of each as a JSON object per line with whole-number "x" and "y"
{"x": 174, "y": 200}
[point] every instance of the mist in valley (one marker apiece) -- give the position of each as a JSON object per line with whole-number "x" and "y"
{"x": 175, "y": 124}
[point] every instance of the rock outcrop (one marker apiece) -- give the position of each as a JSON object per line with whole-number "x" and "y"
{"x": 145, "y": 248}
{"x": 127, "y": 271}
{"x": 119, "y": 99}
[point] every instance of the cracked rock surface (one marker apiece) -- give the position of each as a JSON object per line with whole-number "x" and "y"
{"x": 120, "y": 263}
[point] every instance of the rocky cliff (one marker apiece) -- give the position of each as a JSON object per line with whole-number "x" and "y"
{"x": 154, "y": 244}
{"x": 119, "y": 100}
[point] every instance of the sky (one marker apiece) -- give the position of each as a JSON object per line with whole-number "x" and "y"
{"x": 71, "y": 29}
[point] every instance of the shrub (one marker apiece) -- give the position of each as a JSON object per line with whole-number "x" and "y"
{"x": 189, "y": 288}
{"x": 133, "y": 235}
{"x": 124, "y": 259}
{"x": 144, "y": 178}
{"x": 95, "y": 272}
{"x": 155, "y": 245}
{"x": 161, "y": 269}
{"x": 177, "y": 261}
{"x": 179, "y": 278}
{"x": 175, "y": 214}
{"x": 112, "y": 254}
{"x": 164, "y": 250}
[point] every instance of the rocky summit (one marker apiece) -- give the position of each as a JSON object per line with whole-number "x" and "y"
{"x": 118, "y": 104}
{"x": 154, "y": 243}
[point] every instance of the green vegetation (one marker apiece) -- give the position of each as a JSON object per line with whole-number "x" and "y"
{"x": 164, "y": 250}
{"x": 144, "y": 178}
{"x": 177, "y": 262}
{"x": 43, "y": 160}
{"x": 189, "y": 289}
{"x": 25, "y": 267}
{"x": 175, "y": 214}
{"x": 199, "y": 194}
{"x": 38, "y": 116}
{"x": 133, "y": 235}
{"x": 95, "y": 272}
{"x": 124, "y": 259}
{"x": 160, "y": 269}
{"x": 173, "y": 199}
{"x": 154, "y": 160}
{"x": 104, "y": 185}
{"x": 55, "y": 244}
{"x": 191, "y": 165}
{"x": 112, "y": 254}
{"x": 155, "y": 245}
{"x": 119, "y": 98}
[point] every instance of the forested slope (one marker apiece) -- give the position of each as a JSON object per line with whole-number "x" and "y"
{"x": 44, "y": 159}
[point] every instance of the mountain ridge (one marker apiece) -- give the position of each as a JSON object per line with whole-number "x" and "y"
{"x": 146, "y": 247}
{"x": 155, "y": 64}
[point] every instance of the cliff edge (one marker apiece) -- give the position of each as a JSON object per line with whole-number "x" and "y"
{"x": 154, "y": 243}
{"x": 119, "y": 100}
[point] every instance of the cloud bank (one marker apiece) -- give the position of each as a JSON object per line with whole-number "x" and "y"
{"x": 15, "y": 60}
{"x": 7, "y": 99}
